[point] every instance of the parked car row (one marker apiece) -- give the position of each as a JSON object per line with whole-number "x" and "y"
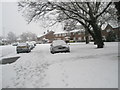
{"x": 25, "y": 47}
{"x": 55, "y": 47}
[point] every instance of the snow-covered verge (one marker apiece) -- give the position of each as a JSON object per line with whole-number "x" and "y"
{"x": 84, "y": 67}
{"x": 6, "y": 51}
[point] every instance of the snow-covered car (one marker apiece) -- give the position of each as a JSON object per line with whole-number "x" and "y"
{"x": 23, "y": 47}
{"x": 14, "y": 44}
{"x": 34, "y": 42}
{"x": 31, "y": 45}
{"x": 59, "y": 46}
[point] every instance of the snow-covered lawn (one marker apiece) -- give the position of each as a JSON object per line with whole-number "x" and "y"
{"x": 84, "y": 67}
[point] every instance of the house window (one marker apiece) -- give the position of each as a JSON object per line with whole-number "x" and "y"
{"x": 59, "y": 39}
{"x": 90, "y": 38}
{"x": 79, "y": 33}
{"x": 63, "y": 34}
{"x": 84, "y": 38}
{"x": 103, "y": 37}
{"x": 74, "y": 38}
{"x": 79, "y": 38}
{"x": 60, "y": 35}
{"x": 56, "y": 35}
{"x": 108, "y": 30}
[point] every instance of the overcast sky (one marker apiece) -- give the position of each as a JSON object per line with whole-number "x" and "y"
{"x": 12, "y": 20}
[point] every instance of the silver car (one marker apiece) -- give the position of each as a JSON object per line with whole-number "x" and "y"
{"x": 59, "y": 46}
{"x": 23, "y": 47}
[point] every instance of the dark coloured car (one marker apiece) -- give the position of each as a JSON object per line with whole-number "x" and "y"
{"x": 23, "y": 47}
{"x": 59, "y": 46}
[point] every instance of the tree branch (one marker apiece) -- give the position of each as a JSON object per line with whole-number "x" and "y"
{"x": 62, "y": 8}
{"x": 104, "y": 10}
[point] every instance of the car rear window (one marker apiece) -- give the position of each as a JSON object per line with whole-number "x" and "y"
{"x": 22, "y": 44}
{"x": 58, "y": 42}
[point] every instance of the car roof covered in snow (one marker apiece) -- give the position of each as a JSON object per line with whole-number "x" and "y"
{"x": 22, "y": 44}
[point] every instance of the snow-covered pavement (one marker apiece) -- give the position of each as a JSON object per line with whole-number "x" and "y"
{"x": 84, "y": 67}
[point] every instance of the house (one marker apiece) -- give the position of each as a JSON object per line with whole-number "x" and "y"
{"x": 74, "y": 35}
{"x": 111, "y": 33}
{"x": 64, "y": 35}
{"x": 48, "y": 37}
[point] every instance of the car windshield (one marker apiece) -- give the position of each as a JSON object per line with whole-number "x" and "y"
{"x": 58, "y": 42}
{"x": 22, "y": 44}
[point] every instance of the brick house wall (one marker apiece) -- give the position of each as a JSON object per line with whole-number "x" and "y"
{"x": 75, "y": 36}
{"x": 106, "y": 30}
{"x": 60, "y": 36}
{"x": 109, "y": 28}
{"x": 49, "y": 36}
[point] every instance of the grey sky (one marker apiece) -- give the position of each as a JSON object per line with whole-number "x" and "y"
{"x": 12, "y": 20}
{"x": 0, "y": 19}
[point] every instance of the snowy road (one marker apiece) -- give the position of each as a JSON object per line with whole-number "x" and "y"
{"x": 84, "y": 67}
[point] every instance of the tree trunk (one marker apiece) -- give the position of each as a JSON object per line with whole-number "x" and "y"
{"x": 99, "y": 42}
{"x": 86, "y": 39}
{"x": 92, "y": 34}
{"x": 98, "y": 35}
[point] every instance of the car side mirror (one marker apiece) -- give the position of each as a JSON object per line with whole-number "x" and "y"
{"x": 50, "y": 44}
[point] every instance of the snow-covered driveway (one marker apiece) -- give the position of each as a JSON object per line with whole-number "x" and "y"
{"x": 84, "y": 67}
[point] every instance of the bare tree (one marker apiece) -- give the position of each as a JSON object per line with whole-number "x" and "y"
{"x": 11, "y": 37}
{"x": 86, "y": 13}
{"x": 28, "y": 36}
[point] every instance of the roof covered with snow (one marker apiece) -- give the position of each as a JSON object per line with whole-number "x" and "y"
{"x": 76, "y": 30}
{"x": 61, "y": 32}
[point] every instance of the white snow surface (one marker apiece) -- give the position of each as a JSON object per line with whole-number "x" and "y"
{"x": 84, "y": 67}
{"x": 7, "y": 50}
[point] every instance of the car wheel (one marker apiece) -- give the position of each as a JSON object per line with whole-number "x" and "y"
{"x": 68, "y": 51}
{"x": 52, "y": 52}
{"x": 29, "y": 51}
